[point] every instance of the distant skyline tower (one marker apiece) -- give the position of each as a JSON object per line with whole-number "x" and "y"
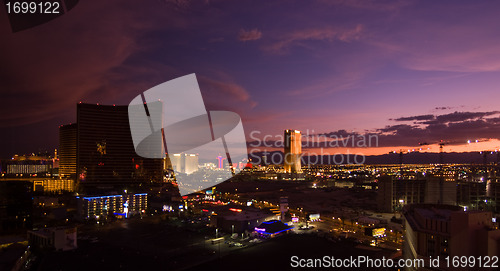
{"x": 185, "y": 163}
{"x": 190, "y": 163}
{"x": 220, "y": 161}
{"x": 283, "y": 207}
{"x": 293, "y": 151}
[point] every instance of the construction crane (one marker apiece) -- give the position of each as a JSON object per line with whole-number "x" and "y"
{"x": 485, "y": 155}
{"x": 441, "y": 153}
{"x": 441, "y": 144}
{"x": 486, "y": 152}
{"x": 401, "y": 153}
{"x": 498, "y": 155}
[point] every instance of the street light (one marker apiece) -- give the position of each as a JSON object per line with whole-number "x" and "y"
{"x": 216, "y": 232}
{"x": 232, "y": 229}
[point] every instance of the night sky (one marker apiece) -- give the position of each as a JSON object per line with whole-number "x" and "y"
{"x": 408, "y": 71}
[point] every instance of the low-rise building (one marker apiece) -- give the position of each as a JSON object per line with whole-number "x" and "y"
{"x": 239, "y": 220}
{"x": 101, "y": 207}
{"x": 272, "y": 228}
{"x": 57, "y": 238}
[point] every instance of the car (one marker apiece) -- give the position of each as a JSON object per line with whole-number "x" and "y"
{"x": 306, "y": 228}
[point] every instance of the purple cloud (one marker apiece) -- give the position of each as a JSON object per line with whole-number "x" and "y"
{"x": 248, "y": 35}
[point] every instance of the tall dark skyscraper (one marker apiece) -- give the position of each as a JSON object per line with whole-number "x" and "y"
{"x": 293, "y": 151}
{"x": 106, "y": 160}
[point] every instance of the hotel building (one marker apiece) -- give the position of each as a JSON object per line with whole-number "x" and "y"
{"x": 56, "y": 238}
{"x": 67, "y": 151}
{"x": 99, "y": 151}
{"x": 101, "y": 207}
{"x": 185, "y": 163}
{"x": 293, "y": 151}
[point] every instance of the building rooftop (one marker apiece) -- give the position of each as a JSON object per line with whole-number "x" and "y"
{"x": 272, "y": 227}
{"x": 245, "y": 215}
{"x": 434, "y": 213}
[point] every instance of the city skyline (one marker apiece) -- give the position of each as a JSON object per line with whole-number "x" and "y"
{"x": 250, "y": 135}
{"x": 408, "y": 71}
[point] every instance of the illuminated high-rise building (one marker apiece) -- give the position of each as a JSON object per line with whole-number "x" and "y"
{"x": 293, "y": 151}
{"x": 190, "y": 163}
{"x": 185, "y": 163}
{"x": 176, "y": 162}
{"x": 67, "y": 151}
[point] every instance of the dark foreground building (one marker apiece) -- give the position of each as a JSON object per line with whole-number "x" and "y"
{"x": 433, "y": 231}
{"x": 16, "y": 206}
{"x": 106, "y": 161}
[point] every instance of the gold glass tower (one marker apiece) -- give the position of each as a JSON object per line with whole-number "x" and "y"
{"x": 293, "y": 151}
